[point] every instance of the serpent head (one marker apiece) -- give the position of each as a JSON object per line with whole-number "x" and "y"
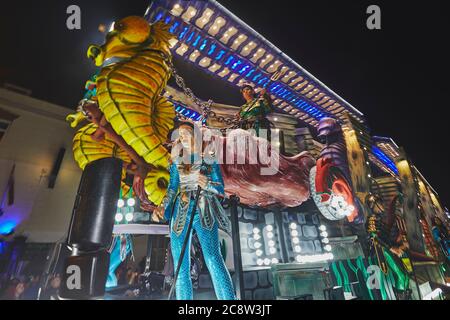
{"x": 129, "y": 35}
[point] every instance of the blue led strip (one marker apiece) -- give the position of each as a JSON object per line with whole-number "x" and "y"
{"x": 174, "y": 27}
{"x": 186, "y": 112}
{"x": 158, "y": 16}
{"x": 380, "y": 155}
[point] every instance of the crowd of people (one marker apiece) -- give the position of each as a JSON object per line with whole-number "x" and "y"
{"x": 27, "y": 288}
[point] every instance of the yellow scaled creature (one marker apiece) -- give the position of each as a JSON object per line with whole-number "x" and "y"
{"x": 129, "y": 117}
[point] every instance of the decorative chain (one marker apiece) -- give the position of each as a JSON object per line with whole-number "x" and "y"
{"x": 207, "y": 113}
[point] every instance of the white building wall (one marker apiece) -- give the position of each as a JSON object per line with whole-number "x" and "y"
{"x": 32, "y": 143}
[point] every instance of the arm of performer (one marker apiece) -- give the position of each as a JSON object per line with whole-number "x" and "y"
{"x": 265, "y": 102}
{"x": 213, "y": 182}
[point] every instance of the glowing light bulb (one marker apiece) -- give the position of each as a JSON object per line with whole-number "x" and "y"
{"x": 322, "y": 228}
{"x": 295, "y": 240}
{"x": 297, "y": 249}
{"x": 270, "y": 235}
{"x": 271, "y": 243}
{"x": 324, "y": 234}
{"x": 260, "y": 262}
{"x": 129, "y": 217}
{"x": 293, "y": 226}
{"x": 327, "y": 247}
{"x": 267, "y": 261}
{"x": 256, "y": 231}
{"x": 258, "y": 245}
{"x": 272, "y": 250}
{"x": 294, "y": 233}
{"x": 131, "y": 202}
{"x": 259, "y": 253}
{"x": 119, "y": 217}
{"x": 269, "y": 228}
{"x": 275, "y": 261}
{"x": 120, "y": 203}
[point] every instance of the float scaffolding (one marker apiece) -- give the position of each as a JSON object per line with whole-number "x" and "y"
{"x": 348, "y": 217}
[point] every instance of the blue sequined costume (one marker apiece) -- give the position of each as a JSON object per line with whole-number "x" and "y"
{"x": 208, "y": 218}
{"x": 121, "y": 247}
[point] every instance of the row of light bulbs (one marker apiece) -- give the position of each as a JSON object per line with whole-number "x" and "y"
{"x": 128, "y": 217}
{"x": 131, "y": 202}
{"x": 271, "y": 243}
{"x": 297, "y": 249}
{"x": 325, "y": 240}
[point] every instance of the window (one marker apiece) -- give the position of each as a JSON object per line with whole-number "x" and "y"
{"x": 6, "y": 118}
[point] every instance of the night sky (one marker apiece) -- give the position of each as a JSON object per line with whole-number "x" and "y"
{"x": 395, "y": 76}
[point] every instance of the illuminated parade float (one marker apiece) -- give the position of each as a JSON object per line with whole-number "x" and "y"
{"x": 332, "y": 212}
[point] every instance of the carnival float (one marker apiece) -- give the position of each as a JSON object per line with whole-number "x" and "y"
{"x": 322, "y": 201}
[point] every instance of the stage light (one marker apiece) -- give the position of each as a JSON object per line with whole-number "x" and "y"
{"x": 120, "y": 203}
{"x": 131, "y": 202}
{"x": 119, "y": 217}
{"x": 129, "y": 217}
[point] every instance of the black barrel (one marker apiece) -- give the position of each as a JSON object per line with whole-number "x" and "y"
{"x": 96, "y": 205}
